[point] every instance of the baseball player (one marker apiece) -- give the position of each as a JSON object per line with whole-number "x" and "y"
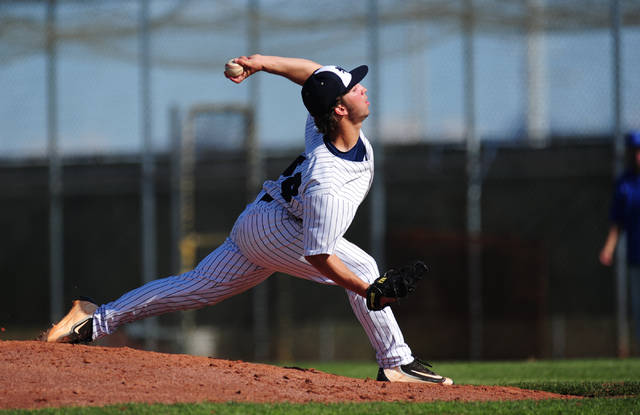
{"x": 295, "y": 226}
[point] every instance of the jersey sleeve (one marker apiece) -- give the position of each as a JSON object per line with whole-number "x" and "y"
{"x": 326, "y": 219}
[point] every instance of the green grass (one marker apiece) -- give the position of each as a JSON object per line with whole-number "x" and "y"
{"x": 501, "y": 373}
{"x": 610, "y": 386}
{"x": 597, "y": 406}
{"x": 590, "y": 378}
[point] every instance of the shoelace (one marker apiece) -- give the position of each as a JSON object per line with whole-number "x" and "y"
{"x": 425, "y": 365}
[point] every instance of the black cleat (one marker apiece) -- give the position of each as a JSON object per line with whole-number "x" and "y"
{"x": 416, "y": 371}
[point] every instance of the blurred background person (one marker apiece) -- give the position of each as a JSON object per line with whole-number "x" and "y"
{"x": 625, "y": 217}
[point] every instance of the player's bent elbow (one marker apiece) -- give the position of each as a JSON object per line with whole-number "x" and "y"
{"x": 317, "y": 260}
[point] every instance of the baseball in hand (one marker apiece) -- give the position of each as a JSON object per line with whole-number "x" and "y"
{"x": 233, "y": 69}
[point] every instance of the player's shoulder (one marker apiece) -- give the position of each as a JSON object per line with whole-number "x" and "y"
{"x": 321, "y": 164}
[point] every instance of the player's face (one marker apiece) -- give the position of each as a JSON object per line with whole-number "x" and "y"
{"x": 357, "y": 103}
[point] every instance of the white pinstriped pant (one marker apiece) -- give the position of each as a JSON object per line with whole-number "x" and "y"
{"x": 265, "y": 239}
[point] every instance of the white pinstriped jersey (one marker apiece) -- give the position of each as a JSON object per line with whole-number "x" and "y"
{"x": 323, "y": 190}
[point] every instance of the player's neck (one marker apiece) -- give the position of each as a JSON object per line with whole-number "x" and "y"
{"x": 346, "y": 136}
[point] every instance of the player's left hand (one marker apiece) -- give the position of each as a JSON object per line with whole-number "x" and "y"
{"x": 394, "y": 284}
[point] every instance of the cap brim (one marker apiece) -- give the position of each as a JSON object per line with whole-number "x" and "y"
{"x": 357, "y": 75}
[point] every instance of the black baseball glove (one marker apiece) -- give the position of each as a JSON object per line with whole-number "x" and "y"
{"x": 395, "y": 283}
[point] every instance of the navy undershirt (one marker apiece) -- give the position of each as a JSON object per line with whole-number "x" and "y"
{"x": 356, "y": 153}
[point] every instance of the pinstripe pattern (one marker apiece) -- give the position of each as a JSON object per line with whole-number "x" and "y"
{"x": 320, "y": 210}
{"x": 223, "y": 273}
{"x": 311, "y": 206}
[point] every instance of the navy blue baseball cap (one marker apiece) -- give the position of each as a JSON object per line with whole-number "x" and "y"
{"x": 633, "y": 139}
{"x": 321, "y": 90}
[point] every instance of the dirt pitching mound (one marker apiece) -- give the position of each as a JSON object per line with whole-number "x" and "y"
{"x": 36, "y": 374}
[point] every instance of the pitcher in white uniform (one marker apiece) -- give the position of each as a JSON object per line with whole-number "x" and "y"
{"x": 296, "y": 225}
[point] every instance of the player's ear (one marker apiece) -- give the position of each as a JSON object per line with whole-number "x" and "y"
{"x": 341, "y": 109}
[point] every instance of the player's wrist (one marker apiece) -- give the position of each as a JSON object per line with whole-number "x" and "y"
{"x": 363, "y": 290}
{"x": 258, "y": 61}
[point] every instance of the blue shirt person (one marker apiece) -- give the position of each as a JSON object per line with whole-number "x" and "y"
{"x": 625, "y": 217}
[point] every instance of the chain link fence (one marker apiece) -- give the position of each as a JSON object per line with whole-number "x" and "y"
{"x": 476, "y": 103}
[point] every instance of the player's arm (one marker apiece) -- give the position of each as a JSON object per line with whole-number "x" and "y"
{"x": 332, "y": 267}
{"x": 606, "y": 255}
{"x": 295, "y": 69}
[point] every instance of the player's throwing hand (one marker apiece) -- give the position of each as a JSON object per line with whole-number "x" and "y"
{"x": 250, "y": 65}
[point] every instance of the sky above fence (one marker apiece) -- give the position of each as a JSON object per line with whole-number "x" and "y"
{"x": 421, "y": 69}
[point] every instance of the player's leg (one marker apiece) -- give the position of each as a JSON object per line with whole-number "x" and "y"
{"x": 381, "y": 326}
{"x": 397, "y": 364}
{"x": 269, "y": 236}
{"x": 223, "y": 273}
